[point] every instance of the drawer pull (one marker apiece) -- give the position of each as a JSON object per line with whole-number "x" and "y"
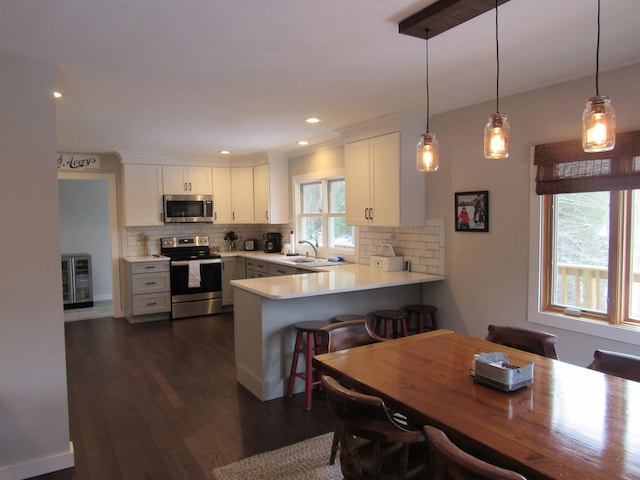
{"x": 151, "y": 304}
{"x": 151, "y": 283}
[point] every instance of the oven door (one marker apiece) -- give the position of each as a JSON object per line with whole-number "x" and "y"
{"x": 210, "y": 280}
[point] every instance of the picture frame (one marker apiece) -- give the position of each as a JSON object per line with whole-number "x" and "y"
{"x": 472, "y": 211}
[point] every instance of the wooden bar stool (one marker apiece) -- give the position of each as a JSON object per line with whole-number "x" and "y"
{"x": 416, "y": 315}
{"x": 307, "y": 345}
{"x": 390, "y": 323}
{"x": 347, "y": 317}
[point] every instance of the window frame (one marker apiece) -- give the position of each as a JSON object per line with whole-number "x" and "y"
{"x": 537, "y": 267}
{"x": 324, "y": 177}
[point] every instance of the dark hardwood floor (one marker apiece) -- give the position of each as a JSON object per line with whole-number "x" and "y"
{"x": 160, "y": 401}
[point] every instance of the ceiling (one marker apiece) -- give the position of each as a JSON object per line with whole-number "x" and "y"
{"x": 194, "y": 77}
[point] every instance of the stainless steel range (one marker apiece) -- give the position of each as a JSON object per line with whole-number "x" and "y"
{"x": 196, "y": 276}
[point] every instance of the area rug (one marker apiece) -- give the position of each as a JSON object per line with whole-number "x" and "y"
{"x": 306, "y": 460}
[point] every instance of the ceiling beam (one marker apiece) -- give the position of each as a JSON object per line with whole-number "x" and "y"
{"x": 444, "y": 15}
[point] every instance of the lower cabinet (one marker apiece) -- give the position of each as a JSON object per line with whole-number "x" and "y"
{"x": 230, "y": 271}
{"x": 147, "y": 288}
{"x": 260, "y": 268}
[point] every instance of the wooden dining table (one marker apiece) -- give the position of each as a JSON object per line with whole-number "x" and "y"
{"x": 571, "y": 423}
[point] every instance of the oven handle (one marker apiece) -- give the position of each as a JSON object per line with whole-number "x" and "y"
{"x": 187, "y": 262}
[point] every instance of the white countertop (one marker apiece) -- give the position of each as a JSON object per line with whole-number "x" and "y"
{"x": 147, "y": 258}
{"x": 349, "y": 277}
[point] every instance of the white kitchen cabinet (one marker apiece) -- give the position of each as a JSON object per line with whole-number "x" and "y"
{"x": 147, "y": 287}
{"x": 271, "y": 192}
{"x": 221, "y": 181}
{"x": 383, "y": 187}
{"x": 230, "y": 271}
{"x": 256, "y": 268}
{"x": 242, "y": 195}
{"x": 177, "y": 180}
{"x": 141, "y": 195}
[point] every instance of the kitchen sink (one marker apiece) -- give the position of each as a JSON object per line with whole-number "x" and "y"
{"x": 314, "y": 262}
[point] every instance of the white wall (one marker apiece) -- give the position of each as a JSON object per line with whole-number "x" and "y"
{"x": 34, "y": 422}
{"x": 487, "y": 273}
{"x": 84, "y": 228}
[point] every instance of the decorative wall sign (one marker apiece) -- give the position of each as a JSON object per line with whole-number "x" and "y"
{"x": 75, "y": 161}
{"x": 472, "y": 211}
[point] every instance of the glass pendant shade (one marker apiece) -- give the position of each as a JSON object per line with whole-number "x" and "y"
{"x": 428, "y": 153}
{"x": 497, "y": 137}
{"x": 598, "y": 125}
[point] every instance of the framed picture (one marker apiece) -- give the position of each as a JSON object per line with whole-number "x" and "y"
{"x": 472, "y": 211}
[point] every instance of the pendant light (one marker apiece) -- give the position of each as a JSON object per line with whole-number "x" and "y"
{"x": 428, "y": 150}
{"x": 496, "y": 131}
{"x": 598, "y": 117}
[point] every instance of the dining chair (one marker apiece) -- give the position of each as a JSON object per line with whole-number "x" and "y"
{"x": 533, "y": 341}
{"x": 340, "y": 336}
{"x": 372, "y": 443}
{"x": 449, "y": 462}
{"x": 616, "y": 363}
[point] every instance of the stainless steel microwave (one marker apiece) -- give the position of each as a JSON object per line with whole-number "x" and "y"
{"x": 188, "y": 208}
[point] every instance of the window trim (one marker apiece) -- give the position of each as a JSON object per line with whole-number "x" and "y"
{"x": 296, "y": 180}
{"x": 583, "y": 325}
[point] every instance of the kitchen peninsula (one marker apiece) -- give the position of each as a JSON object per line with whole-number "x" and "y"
{"x": 265, "y": 310}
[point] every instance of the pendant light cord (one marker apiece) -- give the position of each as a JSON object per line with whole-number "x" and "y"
{"x": 598, "y": 53}
{"x": 426, "y": 38}
{"x": 497, "y": 64}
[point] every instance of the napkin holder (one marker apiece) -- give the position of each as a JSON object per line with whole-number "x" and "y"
{"x": 494, "y": 370}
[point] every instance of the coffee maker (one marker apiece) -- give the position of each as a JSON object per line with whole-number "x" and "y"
{"x": 272, "y": 242}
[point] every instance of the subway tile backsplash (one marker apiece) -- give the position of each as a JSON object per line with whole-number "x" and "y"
{"x": 423, "y": 246}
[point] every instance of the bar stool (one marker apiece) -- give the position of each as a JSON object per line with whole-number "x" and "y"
{"x": 306, "y": 344}
{"x": 418, "y": 313}
{"x": 347, "y": 317}
{"x": 393, "y": 322}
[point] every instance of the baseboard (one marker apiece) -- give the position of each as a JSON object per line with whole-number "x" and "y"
{"x": 39, "y": 466}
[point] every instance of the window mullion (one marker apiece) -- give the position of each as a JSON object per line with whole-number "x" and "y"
{"x": 618, "y": 257}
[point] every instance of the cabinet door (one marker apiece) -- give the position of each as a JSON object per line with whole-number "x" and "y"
{"x": 242, "y": 195}
{"x": 142, "y": 195}
{"x": 174, "y": 180}
{"x": 199, "y": 180}
{"x": 261, "y": 193}
{"x": 229, "y": 272}
{"x": 385, "y": 179}
{"x": 357, "y": 185}
{"x": 221, "y": 181}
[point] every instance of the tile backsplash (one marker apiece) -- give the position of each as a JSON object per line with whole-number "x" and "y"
{"x": 422, "y": 247}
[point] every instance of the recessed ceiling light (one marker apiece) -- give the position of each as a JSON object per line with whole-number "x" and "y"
{"x": 225, "y": 152}
{"x": 303, "y": 142}
{"x": 312, "y": 120}
{"x": 57, "y": 94}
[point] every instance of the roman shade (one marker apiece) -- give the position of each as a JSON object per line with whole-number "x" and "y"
{"x": 563, "y": 167}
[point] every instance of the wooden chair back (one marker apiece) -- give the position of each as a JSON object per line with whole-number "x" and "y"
{"x": 448, "y": 462}
{"x": 533, "y": 341}
{"x": 616, "y": 363}
{"x": 371, "y": 442}
{"x": 343, "y": 335}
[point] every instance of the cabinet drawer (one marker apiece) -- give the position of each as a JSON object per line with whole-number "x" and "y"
{"x": 275, "y": 269}
{"x": 150, "y": 283}
{"x": 148, "y": 267}
{"x": 151, "y": 303}
{"x": 259, "y": 266}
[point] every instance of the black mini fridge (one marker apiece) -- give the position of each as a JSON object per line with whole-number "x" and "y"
{"x": 77, "y": 289}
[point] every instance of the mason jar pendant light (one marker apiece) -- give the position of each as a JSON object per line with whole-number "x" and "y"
{"x": 598, "y": 117}
{"x": 497, "y": 132}
{"x": 428, "y": 150}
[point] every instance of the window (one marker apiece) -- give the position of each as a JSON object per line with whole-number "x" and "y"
{"x": 589, "y": 264}
{"x": 321, "y": 214}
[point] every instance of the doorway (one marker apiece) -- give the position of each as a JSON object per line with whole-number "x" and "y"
{"x": 90, "y": 225}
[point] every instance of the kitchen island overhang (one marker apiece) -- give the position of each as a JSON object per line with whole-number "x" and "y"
{"x": 265, "y": 310}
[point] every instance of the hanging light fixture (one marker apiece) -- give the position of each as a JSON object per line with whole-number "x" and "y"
{"x": 496, "y": 131}
{"x": 428, "y": 151}
{"x": 598, "y": 117}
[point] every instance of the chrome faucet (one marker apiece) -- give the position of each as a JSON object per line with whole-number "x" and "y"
{"x": 315, "y": 247}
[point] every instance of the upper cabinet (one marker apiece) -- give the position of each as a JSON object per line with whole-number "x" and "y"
{"x": 221, "y": 180}
{"x": 178, "y": 180}
{"x": 383, "y": 187}
{"x": 142, "y": 195}
{"x": 242, "y": 195}
{"x": 271, "y": 192}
